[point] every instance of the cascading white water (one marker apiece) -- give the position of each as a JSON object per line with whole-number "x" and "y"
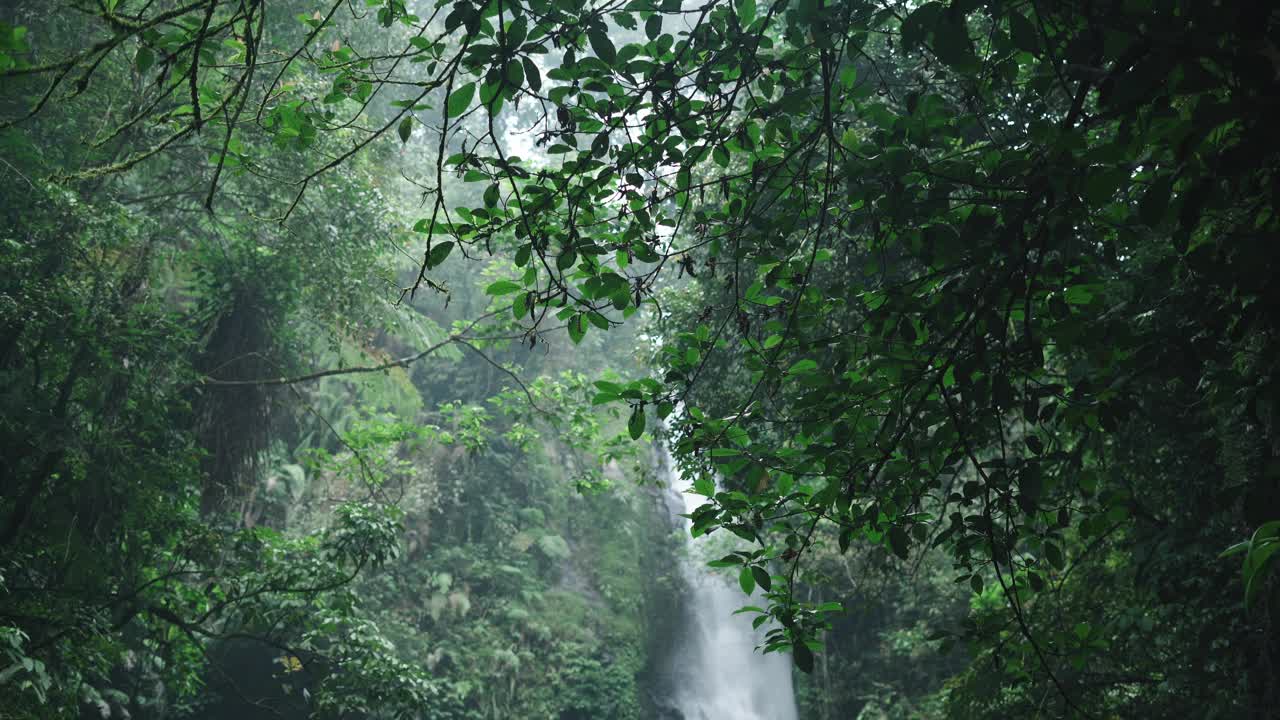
{"x": 717, "y": 672}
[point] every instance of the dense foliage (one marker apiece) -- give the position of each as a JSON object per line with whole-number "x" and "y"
{"x": 962, "y": 313}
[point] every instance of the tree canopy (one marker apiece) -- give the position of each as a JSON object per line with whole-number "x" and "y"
{"x": 987, "y": 284}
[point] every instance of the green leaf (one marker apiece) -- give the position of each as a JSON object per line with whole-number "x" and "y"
{"x": 406, "y": 128}
{"x": 598, "y": 320}
{"x": 514, "y": 73}
{"x": 144, "y": 59}
{"x": 1023, "y": 32}
{"x": 520, "y": 306}
{"x": 704, "y": 486}
{"x": 1054, "y": 555}
{"x": 531, "y": 75}
{"x": 1237, "y": 549}
{"x": 625, "y": 20}
{"x": 1030, "y": 487}
{"x": 459, "y": 100}
{"x": 566, "y": 259}
{"x": 762, "y": 577}
{"x": 746, "y": 12}
{"x": 602, "y": 46}
{"x": 802, "y": 367}
{"x": 1078, "y": 295}
{"x": 919, "y": 22}
{"x": 600, "y": 145}
{"x": 899, "y": 541}
{"x": 577, "y": 329}
{"x": 952, "y": 45}
{"x": 803, "y": 656}
{"x": 502, "y": 287}
{"x": 1155, "y": 202}
{"x": 1257, "y": 566}
{"x": 653, "y": 26}
{"x": 1267, "y": 530}
{"x": 1035, "y": 444}
{"x": 747, "y": 580}
{"x": 636, "y": 423}
{"x": 772, "y": 341}
{"x": 438, "y": 253}
{"x": 517, "y": 32}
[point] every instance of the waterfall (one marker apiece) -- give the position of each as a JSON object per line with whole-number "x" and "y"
{"x": 717, "y": 673}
